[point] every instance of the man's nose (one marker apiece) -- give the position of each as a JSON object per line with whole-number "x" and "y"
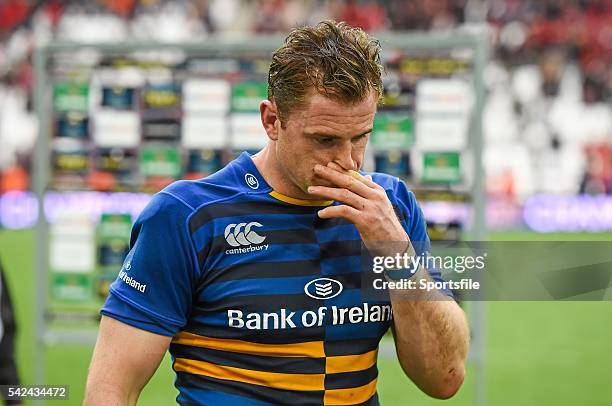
{"x": 344, "y": 157}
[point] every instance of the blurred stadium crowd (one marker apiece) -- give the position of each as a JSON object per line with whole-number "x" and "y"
{"x": 548, "y": 116}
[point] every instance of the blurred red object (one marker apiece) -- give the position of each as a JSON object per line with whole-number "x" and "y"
{"x": 501, "y": 185}
{"x": 14, "y": 178}
{"x": 124, "y": 8}
{"x": 194, "y": 175}
{"x": 13, "y": 13}
{"x": 369, "y": 17}
{"x": 102, "y": 181}
{"x": 599, "y": 170}
{"x": 157, "y": 183}
{"x": 54, "y": 10}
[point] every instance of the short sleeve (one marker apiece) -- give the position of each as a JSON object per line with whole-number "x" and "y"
{"x": 154, "y": 288}
{"x": 414, "y": 223}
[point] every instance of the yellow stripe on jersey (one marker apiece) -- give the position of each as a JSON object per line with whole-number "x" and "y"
{"x": 310, "y": 349}
{"x": 275, "y": 380}
{"x": 350, "y": 396}
{"x": 299, "y": 202}
{"x": 350, "y": 363}
{"x": 296, "y": 382}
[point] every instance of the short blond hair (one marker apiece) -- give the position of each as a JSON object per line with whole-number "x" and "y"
{"x": 334, "y": 59}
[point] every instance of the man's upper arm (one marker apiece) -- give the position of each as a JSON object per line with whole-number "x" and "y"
{"x": 148, "y": 303}
{"x": 154, "y": 288}
{"x": 124, "y": 360}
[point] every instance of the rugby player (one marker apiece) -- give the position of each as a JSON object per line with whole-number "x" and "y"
{"x": 252, "y": 277}
{"x": 8, "y": 330}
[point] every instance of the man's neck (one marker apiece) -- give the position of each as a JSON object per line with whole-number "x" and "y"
{"x": 268, "y": 166}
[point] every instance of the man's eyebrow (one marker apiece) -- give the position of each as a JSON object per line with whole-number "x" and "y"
{"x": 316, "y": 134}
{"x": 363, "y": 133}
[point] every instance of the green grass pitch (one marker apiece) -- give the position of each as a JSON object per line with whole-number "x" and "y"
{"x": 541, "y": 353}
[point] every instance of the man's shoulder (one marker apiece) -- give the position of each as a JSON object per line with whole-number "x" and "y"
{"x": 388, "y": 182}
{"x": 181, "y": 205}
{"x": 218, "y": 187}
{"x": 195, "y": 193}
{"x": 398, "y": 191}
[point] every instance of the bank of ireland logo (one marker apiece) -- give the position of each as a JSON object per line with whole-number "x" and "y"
{"x": 323, "y": 288}
{"x": 242, "y": 234}
{"x": 251, "y": 181}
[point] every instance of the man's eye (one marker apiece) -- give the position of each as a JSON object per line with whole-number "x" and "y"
{"x": 361, "y": 137}
{"x": 326, "y": 140}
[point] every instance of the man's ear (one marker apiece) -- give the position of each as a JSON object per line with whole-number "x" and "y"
{"x": 269, "y": 118}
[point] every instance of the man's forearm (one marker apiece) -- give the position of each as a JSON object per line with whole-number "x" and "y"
{"x": 99, "y": 394}
{"x": 431, "y": 339}
{"x": 123, "y": 361}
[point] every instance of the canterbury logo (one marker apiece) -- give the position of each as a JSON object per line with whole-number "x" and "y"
{"x": 241, "y": 234}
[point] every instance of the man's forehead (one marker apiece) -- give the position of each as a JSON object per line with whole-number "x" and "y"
{"x": 330, "y": 126}
{"x": 318, "y": 106}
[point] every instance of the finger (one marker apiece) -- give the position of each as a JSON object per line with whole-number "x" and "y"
{"x": 335, "y": 166}
{"x": 345, "y": 181}
{"x": 353, "y": 174}
{"x": 367, "y": 179}
{"x": 339, "y": 195}
{"x": 341, "y": 211}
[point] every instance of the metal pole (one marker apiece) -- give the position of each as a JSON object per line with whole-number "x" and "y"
{"x": 478, "y": 231}
{"x": 264, "y": 43}
{"x": 40, "y": 182}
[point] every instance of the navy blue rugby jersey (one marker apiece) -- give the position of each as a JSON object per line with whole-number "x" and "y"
{"x": 261, "y": 296}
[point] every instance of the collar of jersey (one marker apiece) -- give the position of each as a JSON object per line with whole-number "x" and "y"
{"x": 299, "y": 202}
{"x": 249, "y": 165}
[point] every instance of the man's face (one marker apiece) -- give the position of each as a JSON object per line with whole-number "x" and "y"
{"x": 323, "y": 131}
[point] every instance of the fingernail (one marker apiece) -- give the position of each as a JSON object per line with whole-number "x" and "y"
{"x": 310, "y": 189}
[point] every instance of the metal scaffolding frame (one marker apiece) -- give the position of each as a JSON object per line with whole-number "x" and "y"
{"x": 477, "y": 43}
